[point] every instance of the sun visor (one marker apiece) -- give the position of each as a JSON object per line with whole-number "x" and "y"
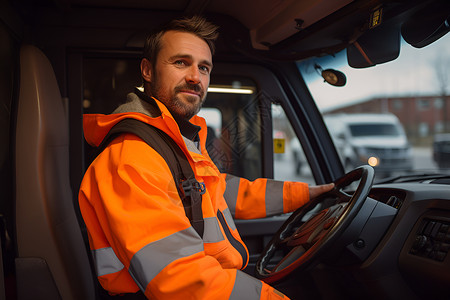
{"x": 427, "y": 25}
{"x": 376, "y": 46}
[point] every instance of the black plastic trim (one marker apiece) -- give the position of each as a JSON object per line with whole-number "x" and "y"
{"x": 234, "y": 242}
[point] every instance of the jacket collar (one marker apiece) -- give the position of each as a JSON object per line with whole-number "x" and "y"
{"x": 187, "y": 129}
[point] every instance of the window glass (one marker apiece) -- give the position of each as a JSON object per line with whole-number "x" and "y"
{"x": 411, "y": 93}
{"x": 397, "y": 104}
{"x": 237, "y": 149}
{"x": 374, "y": 129}
{"x": 289, "y": 159}
{"x": 213, "y": 144}
{"x": 423, "y": 104}
{"x": 107, "y": 81}
{"x": 438, "y": 103}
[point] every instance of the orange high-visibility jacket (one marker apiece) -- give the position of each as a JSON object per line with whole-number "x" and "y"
{"x": 139, "y": 235}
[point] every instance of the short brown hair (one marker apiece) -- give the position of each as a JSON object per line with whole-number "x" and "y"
{"x": 196, "y": 25}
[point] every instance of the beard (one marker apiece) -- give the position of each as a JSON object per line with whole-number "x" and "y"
{"x": 178, "y": 108}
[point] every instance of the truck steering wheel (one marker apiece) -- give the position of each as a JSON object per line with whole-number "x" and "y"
{"x": 303, "y": 243}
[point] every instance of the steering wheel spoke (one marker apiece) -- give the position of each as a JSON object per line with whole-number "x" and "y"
{"x": 291, "y": 257}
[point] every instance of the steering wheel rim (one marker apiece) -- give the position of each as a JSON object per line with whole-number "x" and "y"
{"x": 325, "y": 227}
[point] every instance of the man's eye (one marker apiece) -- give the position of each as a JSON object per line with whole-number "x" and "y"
{"x": 179, "y": 63}
{"x": 204, "y": 69}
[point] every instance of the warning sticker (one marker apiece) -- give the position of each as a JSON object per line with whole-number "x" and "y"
{"x": 278, "y": 145}
{"x": 375, "y": 18}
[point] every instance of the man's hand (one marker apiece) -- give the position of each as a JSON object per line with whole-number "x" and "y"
{"x": 317, "y": 190}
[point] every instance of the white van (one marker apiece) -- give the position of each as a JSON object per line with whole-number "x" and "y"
{"x": 378, "y": 140}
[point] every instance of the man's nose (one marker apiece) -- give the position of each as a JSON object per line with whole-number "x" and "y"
{"x": 193, "y": 75}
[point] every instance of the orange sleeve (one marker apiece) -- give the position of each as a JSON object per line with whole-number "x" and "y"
{"x": 295, "y": 195}
{"x": 264, "y": 197}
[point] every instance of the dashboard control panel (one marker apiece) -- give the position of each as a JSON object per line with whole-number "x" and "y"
{"x": 432, "y": 239}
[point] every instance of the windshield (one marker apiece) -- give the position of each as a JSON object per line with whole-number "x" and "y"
{"x": 413, "y": 89}
{"x": 358, "y": 130}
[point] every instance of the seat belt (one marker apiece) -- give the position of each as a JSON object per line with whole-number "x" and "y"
{"x": 189, "y": 189}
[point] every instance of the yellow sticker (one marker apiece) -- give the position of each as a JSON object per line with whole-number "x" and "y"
{"x": 278, "y": 145}
{"x": 375, "y": 18}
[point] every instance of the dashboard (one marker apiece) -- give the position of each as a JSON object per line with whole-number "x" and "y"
{"x": 412, "y": 257}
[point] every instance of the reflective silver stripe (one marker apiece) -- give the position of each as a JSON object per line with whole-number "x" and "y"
{"x": 106, "y": 261}
{"x": 246, "y": 287}
{"x": 231, "y": 192}
{"x": 152, "y": 258}
{"x": 212, "y": 233}
{"x": 274, "y": 197}
{"x": 229, "y": 219}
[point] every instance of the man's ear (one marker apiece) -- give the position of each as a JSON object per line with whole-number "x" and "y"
{"x": 146, "y": 70}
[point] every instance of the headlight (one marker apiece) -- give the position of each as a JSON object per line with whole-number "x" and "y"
{"x": 373, "y": 161}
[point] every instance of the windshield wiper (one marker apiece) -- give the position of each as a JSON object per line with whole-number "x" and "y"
{"x": 413, "y": 177}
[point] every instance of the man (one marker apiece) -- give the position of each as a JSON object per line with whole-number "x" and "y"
{"x": 140, "y": 236}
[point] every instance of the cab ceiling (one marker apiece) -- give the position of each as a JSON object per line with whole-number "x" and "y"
{"x": 268, "y": 21}
{"x": 276, "y": 29}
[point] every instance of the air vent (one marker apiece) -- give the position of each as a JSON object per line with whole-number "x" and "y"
{"x": 394, "y": 201}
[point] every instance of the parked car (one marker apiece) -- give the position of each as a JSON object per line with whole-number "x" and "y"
{"x": 441, "y": 150}
{"x": 378, "y": 140}
{"x": 61, "y": 59}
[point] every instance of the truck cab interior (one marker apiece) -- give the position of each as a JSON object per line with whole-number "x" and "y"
{"x": 383, "y": 238}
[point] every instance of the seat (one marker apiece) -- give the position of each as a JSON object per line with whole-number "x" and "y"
{"x": 52, "y": 260}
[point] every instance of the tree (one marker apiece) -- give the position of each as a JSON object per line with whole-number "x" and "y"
{"x": 442, "y": 67}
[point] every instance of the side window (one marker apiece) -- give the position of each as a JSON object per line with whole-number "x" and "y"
{"x": 290, "y": 162}
{"x": 236, "y": 148}
{"x": 107, "y": 81}
{"x": 213, "y": 117}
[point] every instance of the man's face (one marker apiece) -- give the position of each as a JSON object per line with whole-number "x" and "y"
{"x": 180, "y": 78}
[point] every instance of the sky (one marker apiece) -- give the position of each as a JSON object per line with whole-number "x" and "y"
{"x": 412, "y": 73}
